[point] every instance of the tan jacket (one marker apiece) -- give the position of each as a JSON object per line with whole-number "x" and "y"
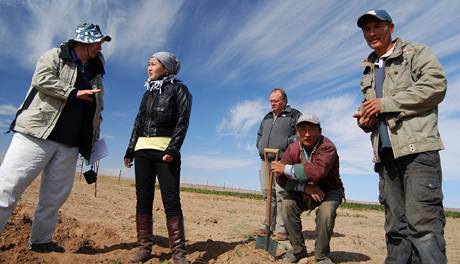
{"x": 414, "y": 85}
{"x": 52, "y": 82}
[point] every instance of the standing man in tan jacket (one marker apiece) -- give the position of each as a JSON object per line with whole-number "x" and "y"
{"x": 59, "y": 118}
{"x": 403, "y": 83}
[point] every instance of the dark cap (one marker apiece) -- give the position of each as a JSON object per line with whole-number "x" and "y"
{"x": 380, "y": 14}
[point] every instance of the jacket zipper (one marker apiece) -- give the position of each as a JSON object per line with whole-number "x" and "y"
{"x": 149, "y": 108}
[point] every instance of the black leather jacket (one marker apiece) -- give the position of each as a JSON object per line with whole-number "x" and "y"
{"x": 164, "y": 114}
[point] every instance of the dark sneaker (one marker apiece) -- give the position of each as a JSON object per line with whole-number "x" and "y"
{"x": 294, "y": 258}
{"x": 46, "y": 247}
{"x": 281, "y": 236}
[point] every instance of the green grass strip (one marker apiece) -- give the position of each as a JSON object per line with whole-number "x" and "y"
{"x": 362, "y": 206}
{"x": 243, "y": 195}
{"x": 256, "y": 196}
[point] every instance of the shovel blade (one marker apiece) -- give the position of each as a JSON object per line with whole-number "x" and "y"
{"x": 268, "y": 244}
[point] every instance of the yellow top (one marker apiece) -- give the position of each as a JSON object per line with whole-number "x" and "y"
{"x": 158, "y": 143}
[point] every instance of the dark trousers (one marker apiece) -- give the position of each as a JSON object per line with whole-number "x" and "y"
{"x": 410, "y": 189}
{"x": 148, "y": 165}
{"x": 293, "y": 206}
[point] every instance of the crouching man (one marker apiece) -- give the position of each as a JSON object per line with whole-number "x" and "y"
{"x": 309, "y": 173}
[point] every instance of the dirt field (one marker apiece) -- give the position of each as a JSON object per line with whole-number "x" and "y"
{"x": 218, "y": 230}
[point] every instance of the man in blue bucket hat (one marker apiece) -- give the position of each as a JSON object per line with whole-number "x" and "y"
{"x": 59, "y": 118}
{"x": 403, "y": 84}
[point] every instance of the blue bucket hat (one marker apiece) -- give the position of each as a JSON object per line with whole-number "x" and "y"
{"x": 89, "y": 33}
{"x": 380, "y": 14}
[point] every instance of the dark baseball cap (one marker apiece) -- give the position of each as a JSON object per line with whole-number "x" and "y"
{"x": 380, "y": 14}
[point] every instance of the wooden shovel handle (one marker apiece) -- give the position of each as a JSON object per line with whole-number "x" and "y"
{"x": 268, "y": 203}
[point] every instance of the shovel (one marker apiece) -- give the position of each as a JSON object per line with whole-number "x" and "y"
{"x": 266, "y": 242}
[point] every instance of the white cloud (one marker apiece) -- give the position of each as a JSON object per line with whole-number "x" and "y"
{"x": 449, "y": 156}
{"x": 242, "y": 118}
{"x": 8, "y": 109}
{"x": 7, "y": 112}
{"x": 449, "y": 123}
{"x": 307, "y": 44}
{"x": 138, "y": 28}
{"x": 4, "y": 124}
{"x": 336, "y": 118}
{"x": 352, "y": 143}
{"x": 216, "y": 163}
{"x": 291, "y": 38}
{"x": 249, "y": 148}
{"x": 450, "y": 105}
{"x": 447, "y": 47}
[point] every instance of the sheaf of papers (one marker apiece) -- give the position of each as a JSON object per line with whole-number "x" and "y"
{"x": 98, "y": 152}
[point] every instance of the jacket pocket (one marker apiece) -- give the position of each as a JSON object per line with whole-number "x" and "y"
{"x": 400, "y": 77}
{"x": 426, "y": 172}
{"x": 34, "y": 119}
{"x": 163, "y": 116}
{"x": 367, "y": 87}
{"x": 366, "y": 83}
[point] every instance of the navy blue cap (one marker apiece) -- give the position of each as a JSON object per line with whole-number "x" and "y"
{"x": 380, "y": 14}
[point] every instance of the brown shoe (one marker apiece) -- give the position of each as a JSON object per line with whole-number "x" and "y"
{"x": 281, "y": 236}
{"x": 144, "y": 238}
{"x": 176, "y": 235}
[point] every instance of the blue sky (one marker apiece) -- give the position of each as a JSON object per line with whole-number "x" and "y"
{"x": 233, "y": 53}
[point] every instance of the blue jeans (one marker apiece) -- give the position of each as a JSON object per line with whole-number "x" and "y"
{"x": 410, "y": 189}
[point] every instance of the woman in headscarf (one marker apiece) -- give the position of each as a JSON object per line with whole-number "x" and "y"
{"x": 159, "y": 131}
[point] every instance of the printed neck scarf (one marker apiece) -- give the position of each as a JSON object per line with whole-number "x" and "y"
{"x": 157, "y": 84}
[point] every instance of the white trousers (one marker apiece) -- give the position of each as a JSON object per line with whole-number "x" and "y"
{"x": 26, "y": 157}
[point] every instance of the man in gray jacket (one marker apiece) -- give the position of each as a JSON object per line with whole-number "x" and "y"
{"x": 59, "y": 118}
{"x": 403, "y": 83}
{"x": 277, "y": 130}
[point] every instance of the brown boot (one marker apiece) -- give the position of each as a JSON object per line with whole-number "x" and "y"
{"x": 177, "y": 239}
{"x": 144, "y": 238}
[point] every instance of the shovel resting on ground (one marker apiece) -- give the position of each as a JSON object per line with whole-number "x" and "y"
{"x": 266, "y": 242}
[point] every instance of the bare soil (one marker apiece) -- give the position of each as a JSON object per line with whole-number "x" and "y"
{"x": 218, "y": 229}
